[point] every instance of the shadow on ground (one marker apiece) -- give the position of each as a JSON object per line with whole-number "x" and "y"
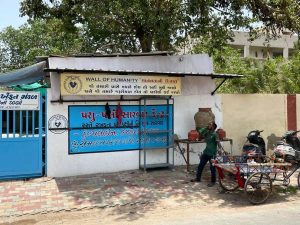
{"x": 131, "y": 194}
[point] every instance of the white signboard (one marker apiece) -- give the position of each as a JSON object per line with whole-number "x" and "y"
{"x": 16, "y": 100}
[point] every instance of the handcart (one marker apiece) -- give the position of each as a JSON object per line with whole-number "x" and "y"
{"x": 255, "y": 178}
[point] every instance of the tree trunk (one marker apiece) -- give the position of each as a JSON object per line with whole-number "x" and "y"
{"x": 145, "y": 39}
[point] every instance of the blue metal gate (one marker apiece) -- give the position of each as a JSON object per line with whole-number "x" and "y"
{"x": 21, "y": 140}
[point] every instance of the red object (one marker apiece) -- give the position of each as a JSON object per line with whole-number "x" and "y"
{"x": 193, "y": 135}
{"x": 221, "y": 133}
{"x": 240, "y": 179}
{"x": 119, "y": 114}
{"x": 291, "y": 112}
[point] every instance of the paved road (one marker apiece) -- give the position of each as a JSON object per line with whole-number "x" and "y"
{"x": 277, "y": 214}
{"x": 283, "y": 213}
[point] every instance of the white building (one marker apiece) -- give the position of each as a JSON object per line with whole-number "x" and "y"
{"x": 262, "y": 49}
{"x": 191, "y": 75}
{"x": 103, "y": 113}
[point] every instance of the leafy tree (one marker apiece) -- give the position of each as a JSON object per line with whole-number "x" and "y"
{"x": 122, "y": 26}
{"x": 19, "y": 47}
{"x": 289, "y": 77}
{"x": 276, "y": 75}
{"x": 73, "y": 26}
{"x": 147, "y": 25}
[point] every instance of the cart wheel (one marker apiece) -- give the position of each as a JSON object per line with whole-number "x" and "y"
{"x": 258, "y": 188}
{"x": 298, "y": 179}
{"x": 228, "y": 182}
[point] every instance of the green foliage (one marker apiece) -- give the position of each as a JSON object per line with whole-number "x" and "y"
{"x": 260, "y": 76}
{"x": 74, "y": 26}
{"x": 116, "y": 26}
{"x": 20, "y": 47}
{"x": 148, "y": 25}
{"x": 286, "y": 190}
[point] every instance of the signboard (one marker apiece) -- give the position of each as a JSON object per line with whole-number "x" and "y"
{"x": 105, "y": 84}
{"x": 92, "y": 131}
{"x": 15, "y": 100}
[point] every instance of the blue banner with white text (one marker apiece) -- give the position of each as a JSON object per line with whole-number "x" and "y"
{"x": 127, "y": 127}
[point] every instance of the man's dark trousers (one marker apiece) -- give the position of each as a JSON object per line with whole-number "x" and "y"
{"x": 203, "y": 160}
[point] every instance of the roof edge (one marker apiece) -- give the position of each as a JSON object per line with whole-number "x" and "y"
{"x": 126, "y": 72}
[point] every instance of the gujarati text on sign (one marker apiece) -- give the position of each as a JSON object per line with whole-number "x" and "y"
{"x": 13, "y": 100}
{"x": 92, "y": 131}
{"x": 104, "y": 84}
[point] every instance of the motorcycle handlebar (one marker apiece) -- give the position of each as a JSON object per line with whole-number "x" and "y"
{"x": 290, "y": 133}
{"x": 295, "y": 132}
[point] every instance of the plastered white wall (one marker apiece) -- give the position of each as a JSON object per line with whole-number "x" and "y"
{"x": 245, "y": 112}
{"x": 60, "y": 163}
{"x": 196, "y": 94}
{"x": 185, "y": 109}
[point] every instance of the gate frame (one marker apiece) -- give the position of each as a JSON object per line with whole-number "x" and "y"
{"x": 28, "y": 158}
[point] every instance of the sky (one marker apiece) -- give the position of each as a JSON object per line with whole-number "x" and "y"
{"x": 9, "y": 14}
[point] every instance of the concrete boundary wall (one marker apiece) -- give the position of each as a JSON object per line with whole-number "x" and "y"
{"x": 269, "y": 112}
{"x": 237, "y": 114}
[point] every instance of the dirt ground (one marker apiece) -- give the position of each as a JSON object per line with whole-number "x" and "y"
{"x": 171, "y": 199}
{"x": 166, "y": 211}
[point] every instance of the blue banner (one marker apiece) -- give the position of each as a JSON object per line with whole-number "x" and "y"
{"x": 129, "y": 127}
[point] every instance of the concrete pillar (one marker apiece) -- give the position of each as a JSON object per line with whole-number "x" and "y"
{"x": 246, "y": 50}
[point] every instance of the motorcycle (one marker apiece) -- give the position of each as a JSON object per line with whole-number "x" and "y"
{"x": 288, "y": 149}
{"x": 255, "y": 146}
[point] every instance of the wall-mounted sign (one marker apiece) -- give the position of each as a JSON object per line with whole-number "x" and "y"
{"x": 15, "y": 100}
{"x": 58, "y": 124}
{"x": 92, "y": 131}
{"x": 105, "y": 84}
